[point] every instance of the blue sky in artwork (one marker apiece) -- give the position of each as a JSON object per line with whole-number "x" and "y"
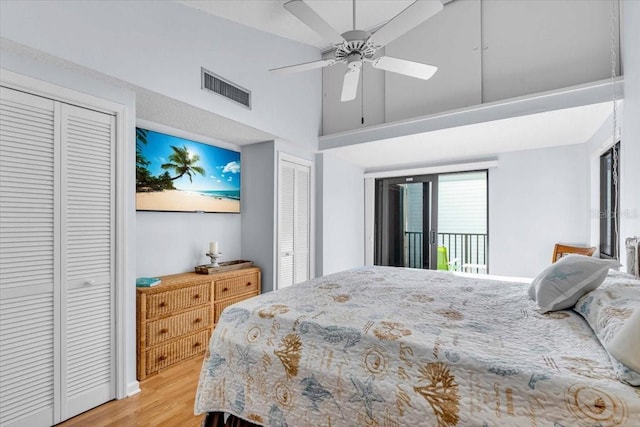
{"x": 222, "y": 166}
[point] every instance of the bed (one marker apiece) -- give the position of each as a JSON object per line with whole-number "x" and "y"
{"x": 402, "y": 347}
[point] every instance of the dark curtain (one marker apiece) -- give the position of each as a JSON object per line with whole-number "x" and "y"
{"x": 216, "y": 419}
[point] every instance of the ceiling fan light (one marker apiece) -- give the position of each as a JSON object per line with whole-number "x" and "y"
{"x": 354, "y": 60}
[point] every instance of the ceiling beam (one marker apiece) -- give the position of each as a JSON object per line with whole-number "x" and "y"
{"x": 574, "y": 96}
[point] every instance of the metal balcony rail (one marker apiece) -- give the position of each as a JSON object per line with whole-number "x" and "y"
{"x": 466, "y": 251}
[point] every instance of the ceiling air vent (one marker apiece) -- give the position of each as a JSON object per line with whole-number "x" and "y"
{"x": 225, "y": 88}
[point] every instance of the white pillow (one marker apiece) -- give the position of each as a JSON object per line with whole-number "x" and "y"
{"x": 615, "y": 306}
{"x": 561, "y": 284}
{"x": 625, "y": 345}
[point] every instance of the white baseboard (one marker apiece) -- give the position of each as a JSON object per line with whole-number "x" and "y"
{"x": 133, "y": 388}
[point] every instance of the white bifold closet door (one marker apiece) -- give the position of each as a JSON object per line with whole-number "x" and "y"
{"x": 294, "y": 212}
{"x": 56, "y": 266}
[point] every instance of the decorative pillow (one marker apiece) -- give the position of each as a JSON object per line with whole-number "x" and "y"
{"x": 625, "y": 345}
{"x": 561, "y": 284}
{"x": 613, "y": 312}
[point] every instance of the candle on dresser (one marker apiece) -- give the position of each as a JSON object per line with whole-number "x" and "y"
{"x": 213, "y": 247}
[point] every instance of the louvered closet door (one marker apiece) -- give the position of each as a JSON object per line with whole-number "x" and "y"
{"x": 28, "y": 265}
{"x": 56, "y": 265}
{"x": 87, "y": 228}
{"x": 301, "y": 223}
{"x": 293, "y": 220}
{"x": 286, "y": 228}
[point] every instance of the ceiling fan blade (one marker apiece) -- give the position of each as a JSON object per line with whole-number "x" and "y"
{"x": 304, "y": 66}
{"x": 402, "y": 66}
{"x": 350, "y": 84}
{"x": 311, "y": 19}
{"x": 411, "y": 17}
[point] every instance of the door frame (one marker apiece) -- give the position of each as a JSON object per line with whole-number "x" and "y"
{"x": 311, "y": 250}
{"x": 369, "y": 195}
{"x": 124, "y": 236}
{"x": 429, "y": 220}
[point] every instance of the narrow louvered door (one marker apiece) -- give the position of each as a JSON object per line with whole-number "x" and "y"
{"x": 286, "y": 179}
{"x": 293, "y": 222}
{"x": 29, "y": 279}
{"x": 87, "y": 228}
{"x": 301, "y": 223}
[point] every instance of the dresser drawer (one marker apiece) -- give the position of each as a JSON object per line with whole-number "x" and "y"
{"x": 165, "y": 329}
{"x": 166, "y": 355}
{"x": 174, "y": 320}
{"x": 220, "y": 306}
{"x": 234, "y": 286}
{"x": 178, "y": 299}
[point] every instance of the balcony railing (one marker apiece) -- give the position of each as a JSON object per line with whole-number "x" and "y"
{"x": 413, "y": 249}
{"x": 466, "y": 251}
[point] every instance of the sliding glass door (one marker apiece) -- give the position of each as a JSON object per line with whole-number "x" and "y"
{"x": 406, "y": 222}
{"x": 433, "y": 222}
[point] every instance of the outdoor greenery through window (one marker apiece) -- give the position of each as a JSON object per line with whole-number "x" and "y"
{"x": 609, "y": 201}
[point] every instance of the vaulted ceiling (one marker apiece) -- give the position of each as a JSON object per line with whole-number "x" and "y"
{"x": 271, "y": 17}
{"x": 537, "y": 129}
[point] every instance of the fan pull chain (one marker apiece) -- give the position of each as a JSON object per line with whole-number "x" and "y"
{"x": 361, "y": 74}
{"x": 362, "y": 98}
{"x": 615, "y": 124}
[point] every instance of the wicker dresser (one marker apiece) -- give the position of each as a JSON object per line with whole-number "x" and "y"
{"x": 175, "y": 319}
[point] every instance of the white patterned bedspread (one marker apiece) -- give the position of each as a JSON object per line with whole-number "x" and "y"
{"x": 400, "y": 347}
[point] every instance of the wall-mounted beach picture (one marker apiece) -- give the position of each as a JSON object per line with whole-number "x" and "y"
{"x": 179, "y": 175}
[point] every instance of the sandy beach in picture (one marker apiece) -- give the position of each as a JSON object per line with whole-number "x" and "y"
{"x": 167, "y": 200}
{"x": 174, "y": 174}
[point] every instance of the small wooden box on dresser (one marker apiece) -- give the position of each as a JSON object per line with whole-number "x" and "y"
{"x": 175, "y": 318}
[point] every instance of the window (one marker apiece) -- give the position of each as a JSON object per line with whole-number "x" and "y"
{"x": 609, "y": 201}
{"x": 436, "y": 221}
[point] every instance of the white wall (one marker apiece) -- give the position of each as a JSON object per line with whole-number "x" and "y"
{"x": 536, "y": 198}
{"x": 175, "y": 242}
{"x": 161, "y": 46}
{"x": 630, "y": 145}
{"x": 451, "y": 41}
{"x": 340, "y": 215}
{"x": 541, "y": 45}
{"x": 259, "y": 208}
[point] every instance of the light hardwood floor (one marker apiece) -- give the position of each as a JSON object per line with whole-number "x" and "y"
{"x": 166, "y": 399}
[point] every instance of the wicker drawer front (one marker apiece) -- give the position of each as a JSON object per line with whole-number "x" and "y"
{"x": 162, "y": 330}
{"x": 236, "y": 286}
{"x": 166, "y": 355}
{"x": 177, "y": 299}
{"x": 219, "y": 306}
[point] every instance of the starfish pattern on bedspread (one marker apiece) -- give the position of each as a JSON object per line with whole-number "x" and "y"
{"x": 410, "y": 348}
{"x": 364, "y": 393}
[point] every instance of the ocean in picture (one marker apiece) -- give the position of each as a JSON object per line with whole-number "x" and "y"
{"x": 173, "y": 174}
{"x": 228, "y": 194}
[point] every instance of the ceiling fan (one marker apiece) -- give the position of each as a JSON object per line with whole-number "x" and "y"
{"x": 356, "y": 47}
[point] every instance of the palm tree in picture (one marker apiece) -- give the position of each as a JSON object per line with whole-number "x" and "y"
{"x": 183, "y": 163}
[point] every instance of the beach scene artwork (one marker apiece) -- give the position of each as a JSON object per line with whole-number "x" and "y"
{"x": 180, "y": 175}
